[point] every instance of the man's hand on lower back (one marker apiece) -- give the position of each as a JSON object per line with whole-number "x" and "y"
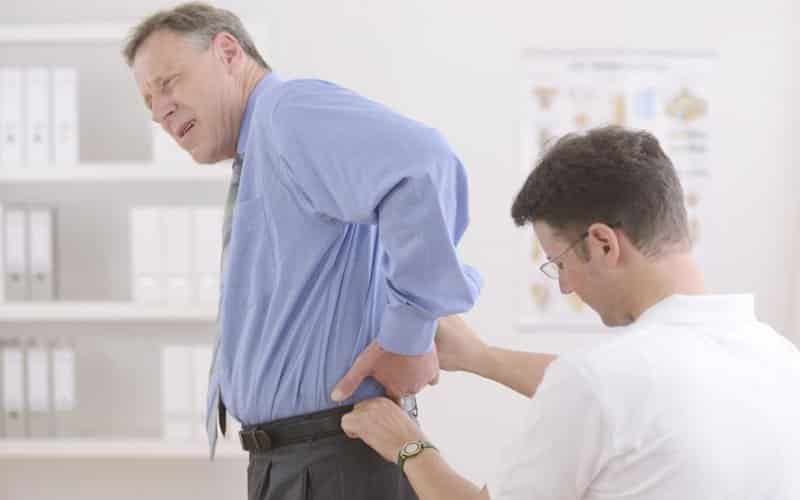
{"x": 400, "y": 375}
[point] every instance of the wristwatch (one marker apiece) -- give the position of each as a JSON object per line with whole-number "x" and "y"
{"x": 412, "y": 449}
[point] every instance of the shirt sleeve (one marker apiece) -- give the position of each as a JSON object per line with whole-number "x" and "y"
{"x": 564, "y": 444}
{"x": 355, "y": 161}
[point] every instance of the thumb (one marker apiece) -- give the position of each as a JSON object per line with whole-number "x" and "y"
{"x": 349, "y": 425}
{"x": 361, "y": 369}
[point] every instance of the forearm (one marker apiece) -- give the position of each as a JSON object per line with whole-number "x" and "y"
{"x": 433, "y": 479}
{"x": 517, "y": 370}
{"x": 425, "y": 278}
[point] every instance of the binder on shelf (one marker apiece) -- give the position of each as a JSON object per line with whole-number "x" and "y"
{"x": 146, "y": 255}
{"x": 65, "y": 116}
{"x": 38, "y": 380}
{"x": 201, "y": 365}
{"x": 37, "y": 116}
{"x": 42, "y": 269}
{"x": 11, "y": 115}
{"x": 2, "y": 257}
{"x": 13, "y": 389}
{"x": 17, "y": 282}
{"x": 207, "y": 245}
{"x": 2, "y": 390}
{"x": 64, "y": 400}
{"x": 176, "y": 392}
{"x": 176, "y": 227}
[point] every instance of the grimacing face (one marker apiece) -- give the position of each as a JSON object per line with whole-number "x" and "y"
{"x": 190, "y": 92}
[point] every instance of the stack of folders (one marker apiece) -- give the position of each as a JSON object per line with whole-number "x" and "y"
{"x": 176, "y": 254}
{"x": 37, "y": 388}
{"x": 38, "y": 116}
{"x": 184, "y": 384}
{"x": 27, "y": 252}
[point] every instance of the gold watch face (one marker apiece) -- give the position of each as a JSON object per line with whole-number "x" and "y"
{"x": 411, "y": 449}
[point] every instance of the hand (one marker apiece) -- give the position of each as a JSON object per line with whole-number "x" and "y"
{"x": 382, "y": 425}
{"x": 399, "y": 375}
{"x": 459, "y": 347}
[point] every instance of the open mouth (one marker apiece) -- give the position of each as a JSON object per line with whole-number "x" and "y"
{"x": 186, "y": 128}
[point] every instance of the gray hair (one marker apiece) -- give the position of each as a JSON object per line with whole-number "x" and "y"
{"x": 199, "y": 22}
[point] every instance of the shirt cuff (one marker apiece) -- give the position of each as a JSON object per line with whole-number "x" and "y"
{"x": 405, "y": 331}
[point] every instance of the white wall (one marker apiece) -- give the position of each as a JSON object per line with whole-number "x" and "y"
{"x": 454, "y": 64}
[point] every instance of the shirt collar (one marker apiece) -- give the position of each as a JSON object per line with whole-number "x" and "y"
{"x": 267, "y": 83}
{"x": 700, "y": 309}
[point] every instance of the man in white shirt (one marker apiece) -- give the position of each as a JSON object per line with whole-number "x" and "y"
{"x": 696, "y": 399}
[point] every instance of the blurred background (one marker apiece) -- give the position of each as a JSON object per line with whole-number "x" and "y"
{"x": 97, "y": 346}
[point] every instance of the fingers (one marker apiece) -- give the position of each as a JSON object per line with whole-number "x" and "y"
{"x": 350, "y": 425}
{"x": 361, "y": 369}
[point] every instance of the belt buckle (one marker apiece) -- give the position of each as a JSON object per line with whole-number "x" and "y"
{"x": 409, "y": 405}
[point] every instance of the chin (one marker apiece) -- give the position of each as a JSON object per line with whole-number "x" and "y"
{"x": 613, "y": 321}
{"x": 203, "y": 157}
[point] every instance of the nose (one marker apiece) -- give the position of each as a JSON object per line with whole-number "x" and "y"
{"x": 163, "y": 108}
{"x": 563, "y": 285}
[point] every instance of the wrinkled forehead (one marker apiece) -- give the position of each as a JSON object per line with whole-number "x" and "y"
{"x": 161, "y": 53}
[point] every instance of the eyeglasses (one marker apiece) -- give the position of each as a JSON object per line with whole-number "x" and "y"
{"x": 554, "y": 266}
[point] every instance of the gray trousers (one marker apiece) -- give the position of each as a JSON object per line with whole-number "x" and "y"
{"x": 333, "y": 468}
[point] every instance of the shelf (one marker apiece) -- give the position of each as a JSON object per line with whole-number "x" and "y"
{"x": 114, "y": 449}
{"x": 63, "y": 33}
{"x": 103, "y": 311}
{"x": 128, "y": 172}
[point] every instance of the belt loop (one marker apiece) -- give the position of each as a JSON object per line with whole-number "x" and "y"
{"x": 263, "y": 440}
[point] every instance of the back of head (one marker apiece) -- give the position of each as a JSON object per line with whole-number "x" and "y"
{"x": 610, "y": 175}
{"x": 197, "y": 21}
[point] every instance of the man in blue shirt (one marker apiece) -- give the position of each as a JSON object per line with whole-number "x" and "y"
{"x": 340, "y": 256}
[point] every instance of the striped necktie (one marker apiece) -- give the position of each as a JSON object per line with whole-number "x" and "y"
{"x": 227, "y": 225}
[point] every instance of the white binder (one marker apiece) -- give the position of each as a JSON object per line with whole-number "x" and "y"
{"x": 64, "y": 397}
{"x": 17, "y": 283}
{"x": 2, "y": 257}
{"x": 146, "y": 255}
{"x": 207, "y": 245}
{"x": 37, "y": 117}
{"x": 42, "y": 270}
{"x": 13, "y": 392}
{"x": 176, "y": 392}
{"x": 38, "y": 370}
{"x": 65, "y": 116}
{"x": 201, "y": 365}
{"x": 177, "y": 226}
{"x": 11, "y": 117}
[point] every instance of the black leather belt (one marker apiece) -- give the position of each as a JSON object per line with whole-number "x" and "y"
{"x": 303, "y": 428}
{"x": 292, "y": 430}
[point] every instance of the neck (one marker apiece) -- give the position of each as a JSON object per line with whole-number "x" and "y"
{"x": 251, "y": 75}
{"x": 655, "y": 280}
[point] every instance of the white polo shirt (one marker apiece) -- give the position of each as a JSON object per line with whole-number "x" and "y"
{"x": 696, "y": 400}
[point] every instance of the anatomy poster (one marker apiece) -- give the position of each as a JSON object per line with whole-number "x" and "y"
{"x": 565, "y": 91}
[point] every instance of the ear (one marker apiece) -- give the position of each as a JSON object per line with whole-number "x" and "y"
{"x": 227, "y": 49}
{"x": 604, "y": 243}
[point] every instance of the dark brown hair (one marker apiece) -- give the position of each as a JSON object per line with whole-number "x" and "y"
{"x": 610, "y": 175}
{"x": 199, "y": 22}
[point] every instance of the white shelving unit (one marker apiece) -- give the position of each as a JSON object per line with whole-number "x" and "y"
{"x": 125, "y": 172}
{"x": 62, "y": 33}
{"x": 31, "y": 449}
{"x": 127, "y": 330}
{"x": 102, "y": 311}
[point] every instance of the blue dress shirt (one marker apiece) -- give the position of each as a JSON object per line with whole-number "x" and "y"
{"x": 344, "y": 231}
